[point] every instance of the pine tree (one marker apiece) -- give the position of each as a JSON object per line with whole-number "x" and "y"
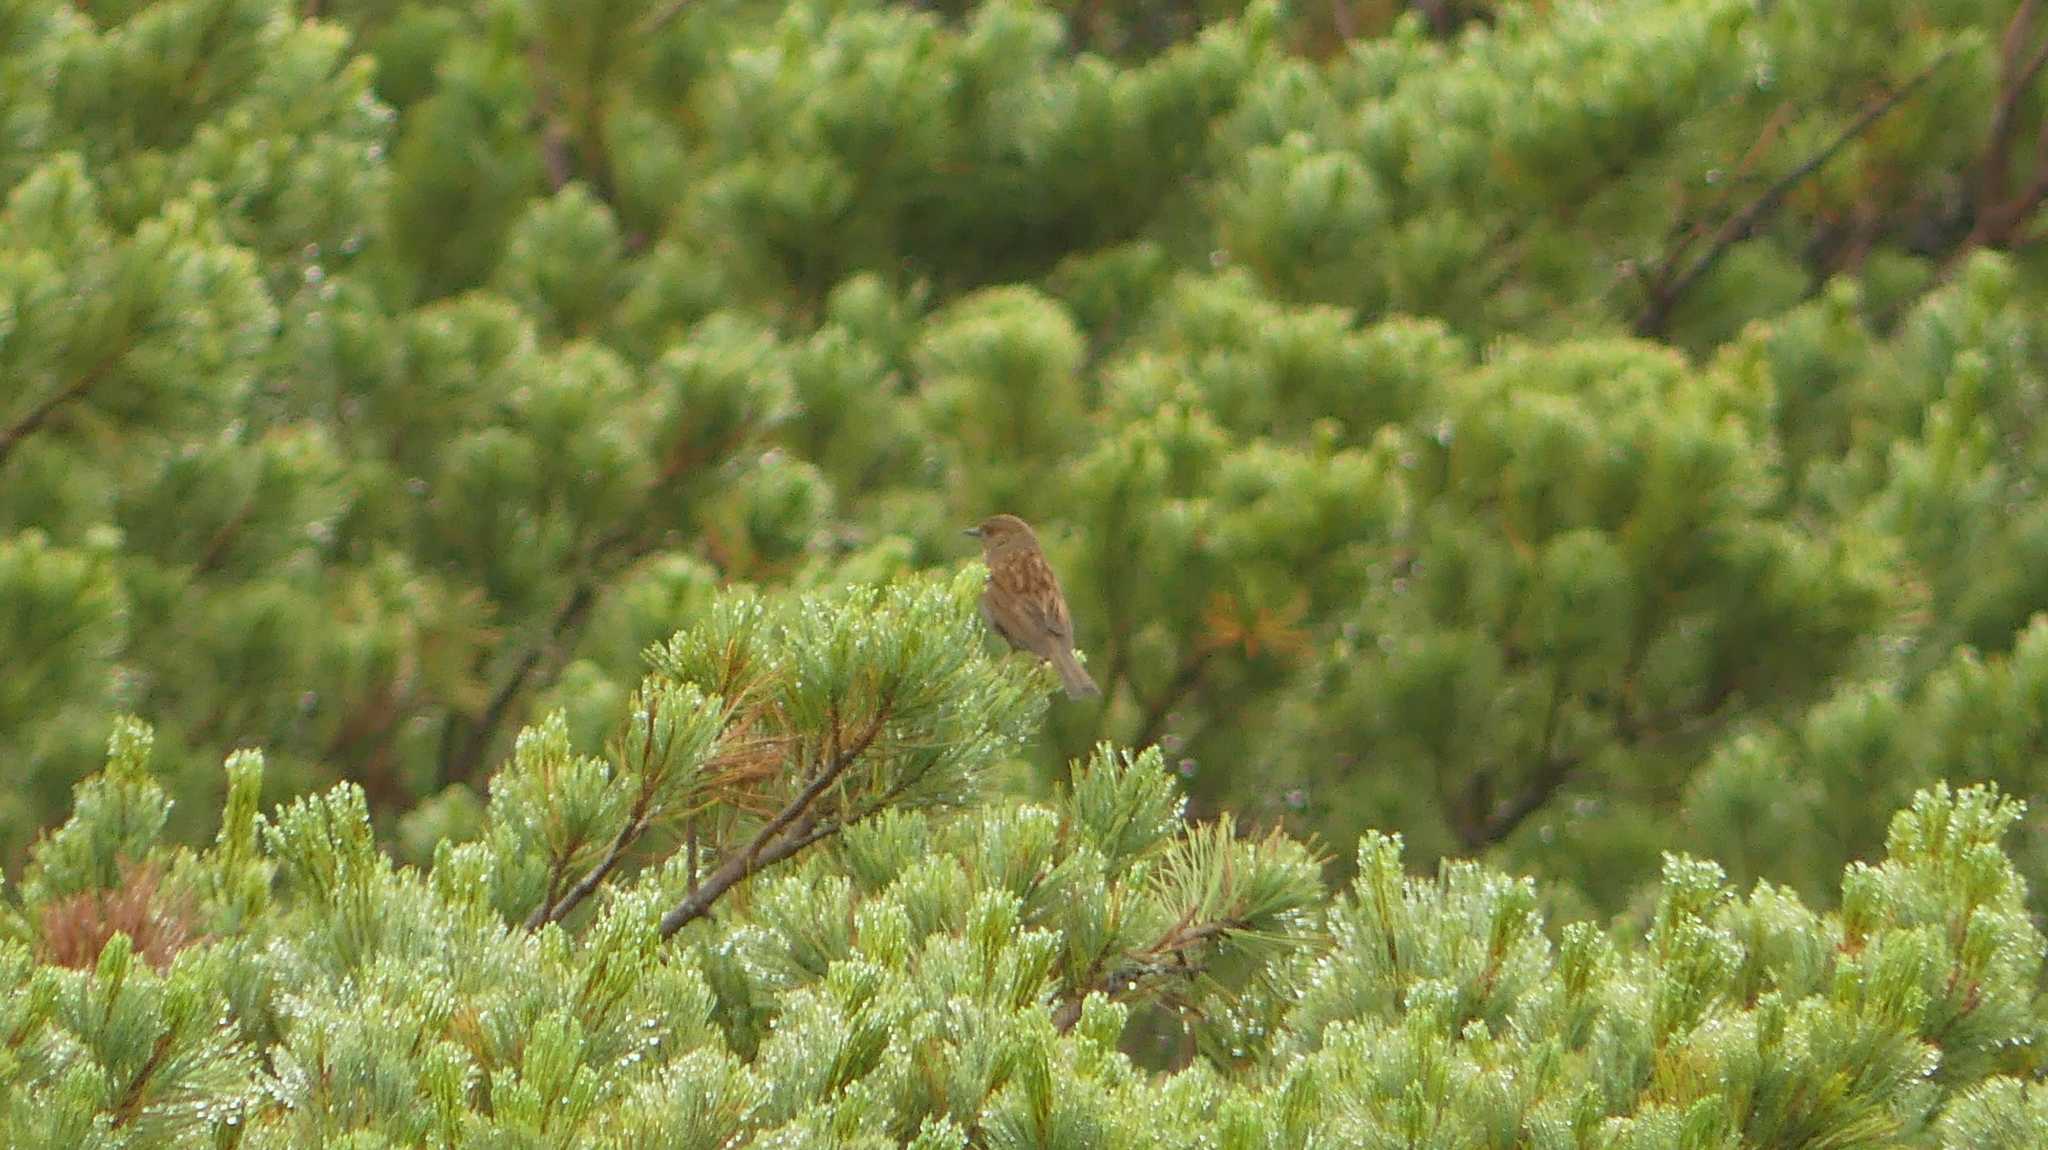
{"x": 787, "y": 908}
{"x": 1554, "y": 432}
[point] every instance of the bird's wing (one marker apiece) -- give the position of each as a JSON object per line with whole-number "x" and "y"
{"x": 1056, "y": 620}
{"x": 1028, "y": 595}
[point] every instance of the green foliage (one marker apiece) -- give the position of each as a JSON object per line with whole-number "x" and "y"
{"x": 1502, "y": 436}
{"x": 976, "y": 973}
{"x": 1475, "y": 428}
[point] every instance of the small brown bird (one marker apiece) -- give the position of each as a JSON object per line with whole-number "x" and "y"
{"x": 1023, "y": 602}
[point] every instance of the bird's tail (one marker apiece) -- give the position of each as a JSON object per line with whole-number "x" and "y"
{"x": 1079, "y": 685}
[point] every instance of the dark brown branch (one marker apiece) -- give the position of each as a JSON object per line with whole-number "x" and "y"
{"x": 1998, "y": 214}
{"x": 592, "y": 134}
{"x": 1344, "y": 21}
{"x": 836, "y": 766}
{"x": 571, "y": 122}
{"x": 1184, "y": 680}
{"x": 1442, "y": 21}
{"x": 478, "y": 742}
{"x": 1669, "y": 286}
{"x": 622, "y": 545}
{"x": 1556, "y": 770}
{"x": 642, "y": 816}
{"x": 736, "y": 870}
{"x": 1502, "y": 821}
{"x": 217, "y": 547}
{"x": 130, "y": 1106}
{"x": 1167, "y": 956}
{"x": 554, "y": 138}
{"x": 559, "y": 909}
{"x": 2015, "y": 72}
{"x": 1686, "y": 231}
{"x": 793, "y": 828}
{"x": 558, "y": 870}
{"x": 690, "y": 848}
{"x": 33, "y": 419}
{"x": 1483, "y": 822}
{"x": 662, "y": 17}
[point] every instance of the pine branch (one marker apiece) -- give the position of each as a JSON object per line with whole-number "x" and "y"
{"x": 793, "y": 828}
{"x": 662, "y": 17}
{"x": 554, "y": 139}
{"x": 619, "y": 547}
{"x": 1668, "y": 287}
{"x": 559, "y": 909}
{"x": 130, "y": 1106}
{"x": 552, "y": 909}
{"x": 1499, "y": 823}
{"x": 1184, "y": 681}
{"x": 217, "y": 547}
{"x": 464, "y": 762}
{"x": 1999, "y": 216}
{"x": 34, "y": 419}
{"x": 1164, "y": 957}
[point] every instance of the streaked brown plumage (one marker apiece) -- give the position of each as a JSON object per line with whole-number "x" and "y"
{"x": 1023, "y": 603}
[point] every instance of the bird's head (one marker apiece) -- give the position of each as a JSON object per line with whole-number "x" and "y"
{"x": 1000, "y": 534}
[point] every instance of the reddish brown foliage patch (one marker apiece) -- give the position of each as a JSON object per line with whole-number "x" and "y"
{"x": 74, "y": 930}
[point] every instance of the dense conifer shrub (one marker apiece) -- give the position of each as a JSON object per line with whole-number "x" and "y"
{"x": 527, "y": 442}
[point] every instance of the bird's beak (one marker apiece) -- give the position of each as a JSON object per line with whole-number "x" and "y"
{"x": 974, "y": 531}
